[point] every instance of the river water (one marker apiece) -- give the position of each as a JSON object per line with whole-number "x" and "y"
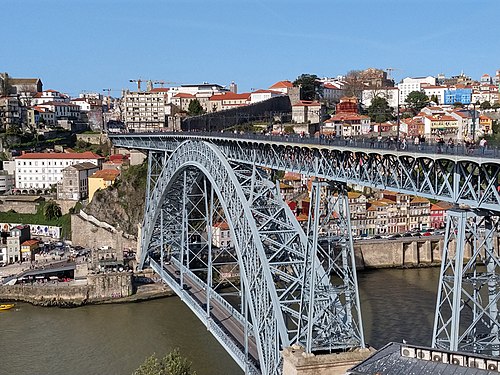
{"x": 115, "y": 339}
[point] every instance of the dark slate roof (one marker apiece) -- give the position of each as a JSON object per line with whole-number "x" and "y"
{"x": 388, "y": 361}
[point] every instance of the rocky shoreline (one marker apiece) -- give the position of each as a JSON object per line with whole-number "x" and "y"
{"x": 100, "y": 289}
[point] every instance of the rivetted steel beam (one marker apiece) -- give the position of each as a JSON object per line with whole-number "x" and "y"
{"x": 469, "y": 287}
{"x": 460, "y": 179}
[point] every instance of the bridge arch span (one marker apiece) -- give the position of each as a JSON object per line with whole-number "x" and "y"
{"x": 237, "y": 190}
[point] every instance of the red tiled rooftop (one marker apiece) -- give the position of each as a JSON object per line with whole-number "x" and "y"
{"x": 106, "y": 174}
{"x": 55, "y": 155}
{"x": 282, "y": 85}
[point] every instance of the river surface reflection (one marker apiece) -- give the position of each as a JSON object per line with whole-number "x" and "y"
{"x": 115, "y": 339}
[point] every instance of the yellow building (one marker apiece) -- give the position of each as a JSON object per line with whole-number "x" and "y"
{"x": 28, "y": 249}
{"x": 101, "y": 180}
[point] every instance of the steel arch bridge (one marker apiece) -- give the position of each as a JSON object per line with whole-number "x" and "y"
{"x": 297, "y": 282}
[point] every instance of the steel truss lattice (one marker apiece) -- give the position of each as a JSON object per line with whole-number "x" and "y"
{"x": 331, "y": 307}
{"x": 275, "y": 257}
{"x": 469, "y": 288}
{"x": 466, "y": 180}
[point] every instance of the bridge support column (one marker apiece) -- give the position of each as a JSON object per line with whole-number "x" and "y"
{"x": 469, "y": 288}
{"x": 331, "y": 299}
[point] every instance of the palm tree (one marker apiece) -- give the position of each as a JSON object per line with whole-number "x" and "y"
{"x": 52, "y": 210}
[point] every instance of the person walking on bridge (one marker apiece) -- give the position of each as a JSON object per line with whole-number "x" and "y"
{"x": 482, "y": 144}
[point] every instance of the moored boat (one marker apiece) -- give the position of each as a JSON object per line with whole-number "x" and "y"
{"x": 6, "y": 306}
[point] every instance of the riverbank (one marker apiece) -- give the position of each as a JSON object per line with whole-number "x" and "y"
{"x": 97, "y": 289}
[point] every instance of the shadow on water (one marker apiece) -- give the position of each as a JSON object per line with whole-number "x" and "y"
{"x": 398, "y": 305}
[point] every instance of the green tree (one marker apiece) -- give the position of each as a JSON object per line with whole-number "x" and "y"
{"x": 52, "y": 210}
{"x": 195, "y": 108}
{"x": 310, "y": 87}
{"x": 485, "y": 105}
{"x": 434, "y": 99}
{"x": 379, "y": 110}
{"x": 495, "y": 106}
{"x": 416, "y": 100}
{"x": 172, "y": 364}
{"x": 458, "y": 105}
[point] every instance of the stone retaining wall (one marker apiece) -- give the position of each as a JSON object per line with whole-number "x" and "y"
{"x": 93, "y": 234}
{"x": 99, "y": 288}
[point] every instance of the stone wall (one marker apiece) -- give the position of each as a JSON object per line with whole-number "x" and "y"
{"x": 95, "y": 139}
{"x": 19, "y": 206}
{"x": 403, "y": 252}
{"x": 297, "y": 362}
{"x": 92, "y": 235}
{"x": 99, "y": 288}
{"x": 66, "y": 205}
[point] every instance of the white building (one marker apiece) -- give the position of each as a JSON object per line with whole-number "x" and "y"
{"x": 62, "y": 110}
{"x": 228, "y": 100}
{"x": 438, "y": 91}
{"x": 282, "y": 86}
{"x": 261, "y": 95}
{"x": 3, "y": 255}
{"x": 42, "y": 170}
{"x": 146, "y": 110}
{"x": 332, "y": 91}
{"x": 6, "y": 181}
{"x": 48, "y": 96}
{"x": 388, "y": 93}
{"x": 221, "y": 236}
{"x": 409, "y": 84}
{"x": 202, "y": 91}
{"x": 84, "y": 105}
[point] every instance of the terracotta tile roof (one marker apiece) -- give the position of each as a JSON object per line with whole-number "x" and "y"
{"x": 184, "y": 95}
{"x": 306, "y": 103}
{"x": 419, "y": 200}
{"x": 230, "y": 96}
{"x": 291, "y": 176}
{"x": 222, "y": 225}
{"x": 58, "y": 104}
{"x": 55, "y": 155}
{"x": 160, "y": 89}
{"x": 282, "y": 85}
{"x": 30, "y": 242}
{"x": 106, "y": 174}
{"x": 261, "y": 91}
{"x": 347, "y": 117}
{"x": 353, "y": 195}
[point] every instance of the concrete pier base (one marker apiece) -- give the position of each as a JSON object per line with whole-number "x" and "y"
{"x": 297, "y": 362}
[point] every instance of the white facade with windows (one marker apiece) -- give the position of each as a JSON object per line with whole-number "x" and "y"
{"x": 42, "y": 170}
{"x": 438, "y": 91}
{"x": 388, "y": 93}
{"x": 409, "y": 84}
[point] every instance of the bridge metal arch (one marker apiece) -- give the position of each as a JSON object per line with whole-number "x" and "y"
{"x": 251, "y": 256}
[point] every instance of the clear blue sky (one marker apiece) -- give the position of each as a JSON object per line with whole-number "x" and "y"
{"x": 94, "y": 44}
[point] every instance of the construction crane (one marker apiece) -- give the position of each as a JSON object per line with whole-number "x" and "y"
{"x": 389, "y": 71}
{"x": 162, "y": 83}
{"x": 138, "y": 81}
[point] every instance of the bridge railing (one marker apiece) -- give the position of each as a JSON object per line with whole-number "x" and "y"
{"x": 229, "y": 308}
{"x": 234, "y": 349}
{"x": 458, "y": 148}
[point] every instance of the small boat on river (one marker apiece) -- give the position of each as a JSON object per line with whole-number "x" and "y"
{"x": 6, "y": 306}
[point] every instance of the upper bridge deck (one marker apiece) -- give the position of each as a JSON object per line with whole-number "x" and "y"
{"x": 455, "y": 174}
